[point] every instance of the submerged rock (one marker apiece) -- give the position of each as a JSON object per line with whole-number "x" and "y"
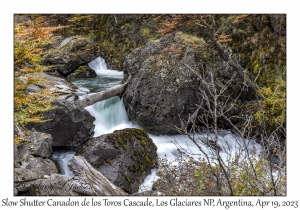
{"x": 125, "y": 157}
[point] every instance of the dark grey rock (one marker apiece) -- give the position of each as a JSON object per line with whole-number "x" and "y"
{"x": 33, "y": 168}
{"x": 163, "y": 86}
{"x": 125, "y": 157}
{"x": 40, "y": 165}
{"x": 40, "y": 144}
{"x": 68, "y": 124}
{"x": 89, "y": 181}
{"x": 37, "y": 144}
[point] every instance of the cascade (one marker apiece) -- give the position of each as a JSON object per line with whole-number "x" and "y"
{"x": 111, "y": 115}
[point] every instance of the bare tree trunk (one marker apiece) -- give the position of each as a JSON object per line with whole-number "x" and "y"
{"x": 89, "y": 181}
{"x": 103, "y": 95}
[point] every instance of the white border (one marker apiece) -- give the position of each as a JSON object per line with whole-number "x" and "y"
{"x": 8, "y": 8}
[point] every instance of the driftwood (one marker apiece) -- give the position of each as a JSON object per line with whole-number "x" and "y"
{"x": 88, "y": 181}
{"x": 103, "y": 95}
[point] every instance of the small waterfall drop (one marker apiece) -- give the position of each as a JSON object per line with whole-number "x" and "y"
{"x": 62, "y": 157}
{"x": 98, "y": 65}
{"x": 110, "y": 115}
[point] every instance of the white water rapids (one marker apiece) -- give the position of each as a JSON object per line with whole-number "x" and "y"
{"x": 111, "y": 115}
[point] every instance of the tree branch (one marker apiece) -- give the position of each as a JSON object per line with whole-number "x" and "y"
{"x": 103, "y": 95}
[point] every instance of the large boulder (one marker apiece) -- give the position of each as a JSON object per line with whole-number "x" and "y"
{"x": 68, "y": 124}
{"x": 72, "y": 52}
{"x": 125, "y": 157}
{"x": 166, "y": 86}
{"x": 163, "y": 87}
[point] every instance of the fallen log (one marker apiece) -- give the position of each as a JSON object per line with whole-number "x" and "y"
{"x": 103, "y": 95}
{"x": 89, "y": 181}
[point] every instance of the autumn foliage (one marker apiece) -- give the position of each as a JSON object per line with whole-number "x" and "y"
{"x": 31, "y": 37}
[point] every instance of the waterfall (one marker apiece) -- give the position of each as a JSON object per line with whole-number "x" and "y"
{"x": 110, "y": 115}
{"x": 98, "y": 65}
{"x": 62, "y": 157}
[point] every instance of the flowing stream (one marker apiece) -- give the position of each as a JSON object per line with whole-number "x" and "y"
{"x": 111, "y": 115}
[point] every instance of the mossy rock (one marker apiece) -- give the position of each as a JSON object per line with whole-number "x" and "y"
{"x": 125, "y": 156}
